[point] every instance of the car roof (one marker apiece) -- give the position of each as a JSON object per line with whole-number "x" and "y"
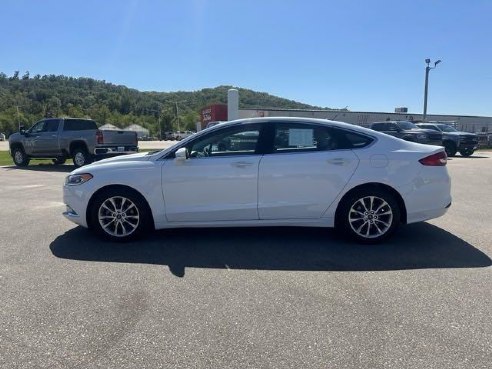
{"x": 266, "y": 120}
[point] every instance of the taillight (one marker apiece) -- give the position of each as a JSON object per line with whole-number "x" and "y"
{"x": 99, "y": 137}
{"x": 439, "y": 159}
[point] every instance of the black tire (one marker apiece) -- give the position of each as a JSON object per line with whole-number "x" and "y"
{"x": 450, "y": 148}
{"x": 467, "y": 152}
{"x": 81, "y": 157}
{"x": 354, "y": 219}
{"x": 19, "y": 157}
{"x": 136, "y": 222}
{"x": 59, "y": 161}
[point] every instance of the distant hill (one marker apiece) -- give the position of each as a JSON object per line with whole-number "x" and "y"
{"x": 27, "y": 99}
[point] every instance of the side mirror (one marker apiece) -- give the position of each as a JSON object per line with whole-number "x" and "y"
{"x": 22, "y": 130}
{"x": 181, "y": 154}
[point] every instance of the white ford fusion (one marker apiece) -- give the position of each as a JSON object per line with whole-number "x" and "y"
{"x": 265, "y": 172}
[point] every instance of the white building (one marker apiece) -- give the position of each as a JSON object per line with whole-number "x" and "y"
{"x": 109, "y": 127}
{"x": 475, "y": 124}
{"x": 141, "y": 131}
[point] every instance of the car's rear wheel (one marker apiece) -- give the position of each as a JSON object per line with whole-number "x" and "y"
{"x": 467, "y": 152}
{"x": 120, "y": 215}
{"x": 81, "y": 157}
{"x": 368, "y": 215}
{"x": 20, "y": 158}
{"x": 450, "y": 148}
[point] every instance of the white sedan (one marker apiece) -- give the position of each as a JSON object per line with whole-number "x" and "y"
{"x": 265, "y": 172}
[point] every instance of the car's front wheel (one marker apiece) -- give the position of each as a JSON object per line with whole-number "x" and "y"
{"x": 467, "y": 152}
{"x": 450, "y": 148}
{"x": 120, "y": 215}
{"x": 20, "y": 158}
{"x": 368, "y": 215}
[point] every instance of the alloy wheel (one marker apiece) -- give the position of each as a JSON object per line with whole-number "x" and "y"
{"x": 118, "y": 216}
{"x": 18, "y": 157}
{"x": 79, "y": 159}
{"x": 370, "y": 217}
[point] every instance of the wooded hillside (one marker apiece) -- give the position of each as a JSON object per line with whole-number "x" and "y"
{"x": 26, "y": 99}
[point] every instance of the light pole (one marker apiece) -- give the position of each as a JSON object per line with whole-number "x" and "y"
{"x": 427, "y": 70}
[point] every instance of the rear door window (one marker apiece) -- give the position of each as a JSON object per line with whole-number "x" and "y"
{"x": 79, "y": 125}
{"x": 51, "y": 125}
{"x": 299, "y": 137}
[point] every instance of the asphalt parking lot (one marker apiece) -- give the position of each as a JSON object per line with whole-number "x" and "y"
{"x": 244, "y": 298}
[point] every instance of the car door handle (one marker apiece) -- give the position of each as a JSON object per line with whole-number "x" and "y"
{"x": 338, "y": 161}
{"x": 242, "y": 164}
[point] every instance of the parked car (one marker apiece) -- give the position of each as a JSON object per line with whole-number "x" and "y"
{"x": 2, "y": 136}
{"x": 63, "y": 138}
{"x": 408, "y": 131}
{"x": 168, "y": 136}
{"x": 180, "y": 135}
{"x": 453, "y": 140}
{"x": 288, "y": 172}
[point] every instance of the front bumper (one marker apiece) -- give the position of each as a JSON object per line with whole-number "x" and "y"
{"x": 76, "y": 202}
{"x": 471, "y": 146}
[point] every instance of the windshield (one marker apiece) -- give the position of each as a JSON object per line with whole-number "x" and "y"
{"x": 407, "y": 125}
{"x": 446, "y": 128}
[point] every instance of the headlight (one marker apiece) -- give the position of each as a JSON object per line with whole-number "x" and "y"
{"x": 422, "y": 137}
{"x": 77, "y": 179}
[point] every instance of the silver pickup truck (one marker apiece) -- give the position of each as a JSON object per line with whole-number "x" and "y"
{"x": 63, "y": 138}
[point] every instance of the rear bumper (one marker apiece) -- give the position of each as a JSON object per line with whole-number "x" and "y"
{"x": 109, "y": 151}
{"x": 426, "y": 215}
{"x": 429, "y": 195}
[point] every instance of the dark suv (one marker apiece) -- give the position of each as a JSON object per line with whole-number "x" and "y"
{"x": 409, "y": 132}
{"x": 453, "y": 140}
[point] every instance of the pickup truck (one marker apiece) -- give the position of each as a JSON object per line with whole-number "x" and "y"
{"x": 63, "y": 138}
{"x": 409, "y": 132}
{"x": 453, "y": 140}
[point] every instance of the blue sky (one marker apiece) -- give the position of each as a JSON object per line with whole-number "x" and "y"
{"x": 367, "y": 55}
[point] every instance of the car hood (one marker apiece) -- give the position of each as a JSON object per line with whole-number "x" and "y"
{"x": 15, "y": 137}
{"x": 118, "y": 162}
{"x": 461, "y": 134}
{"x": 132, "y": 157}
{"x": 420, "y": 130}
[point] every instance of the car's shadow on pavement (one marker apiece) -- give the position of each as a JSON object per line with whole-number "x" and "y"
{"x": 66, "y": 168}
{"x": 416, "y": 246}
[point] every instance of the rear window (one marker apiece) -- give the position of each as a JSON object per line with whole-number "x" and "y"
{"x": 406, "y": 125}
{"x": 354, "y": 140}
{"x": 79, "y": 125}
{"x": 379, "y": 126}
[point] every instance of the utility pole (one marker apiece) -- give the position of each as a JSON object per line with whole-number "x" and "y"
{"x": 176, "y": 111}
{"x": 426, "y": 89}
{"x": 18, "y": 118}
